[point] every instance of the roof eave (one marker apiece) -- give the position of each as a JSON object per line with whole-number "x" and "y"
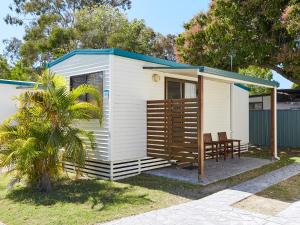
{"x": 238, "y": 77}
{"x": 17, "y": 82}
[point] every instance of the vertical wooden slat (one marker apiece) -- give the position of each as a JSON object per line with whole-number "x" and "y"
{"x": 169, "y": 128}
{"x": 273, "y": 123}
{"x": 172, "y": 130}
{"x": 200, "y": 128}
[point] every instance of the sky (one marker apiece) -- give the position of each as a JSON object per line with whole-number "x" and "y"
{"x": 164, "y": 16}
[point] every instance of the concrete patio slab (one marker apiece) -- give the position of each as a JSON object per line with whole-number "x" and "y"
{"x": 214, "y": 171}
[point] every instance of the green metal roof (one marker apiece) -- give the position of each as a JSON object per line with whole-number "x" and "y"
{"x": 17, "y": 82}
{"x": 169, "y": 64}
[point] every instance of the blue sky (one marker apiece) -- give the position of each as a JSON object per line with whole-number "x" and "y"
{"x": 165, "y": 16}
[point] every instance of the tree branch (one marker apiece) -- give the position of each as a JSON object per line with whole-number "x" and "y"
{"x": 283, "y": 72}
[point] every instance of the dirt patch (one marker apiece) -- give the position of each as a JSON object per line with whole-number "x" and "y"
{"x": 262, "y": 205}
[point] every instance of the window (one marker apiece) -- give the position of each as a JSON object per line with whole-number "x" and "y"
{"x": 94, "y": 79}
{"x": 256, "y": 106}
{"x": 176, "y": 89}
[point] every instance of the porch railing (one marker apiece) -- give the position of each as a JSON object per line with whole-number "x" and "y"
{"x": 172, "y": 130}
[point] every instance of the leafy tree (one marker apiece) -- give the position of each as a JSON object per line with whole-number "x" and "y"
{"x": 106, "y": 27}
{"x": 163, "y": 47}
{"x": 42, "y": 132}
{"x": 18, "y": 71}
{"x": 4, "y": 68}
{"x": 48, "y": 26}
{"x": 262, "y": 33}
{"x": 97, "y": 27}
{"x": 12, "y": 48}
{"x": 258, "y": 72}
{"x": 64, "y": 10}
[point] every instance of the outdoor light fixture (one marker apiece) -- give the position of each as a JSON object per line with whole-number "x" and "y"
{"x": 155, "y": 77}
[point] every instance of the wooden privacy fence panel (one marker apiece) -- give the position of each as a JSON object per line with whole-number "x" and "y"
{"x": 172, "y": 129}
{"x": 288, "y": 128}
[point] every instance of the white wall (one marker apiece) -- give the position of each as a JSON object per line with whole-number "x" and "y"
{"x": 240, "y": 114}
{"x": 8, "y": 103}
{"x": 123, "y": 136}
{"x": 83, "y": 64}
{"x": 132, "y": 87}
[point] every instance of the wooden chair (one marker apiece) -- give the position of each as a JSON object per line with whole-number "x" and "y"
{"x": 213, "y": 146}
{"x": 229, "y": 143}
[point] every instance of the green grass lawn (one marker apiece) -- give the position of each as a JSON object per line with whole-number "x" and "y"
{"x": 94, "y": 201}
{"x": 287, "y": 191}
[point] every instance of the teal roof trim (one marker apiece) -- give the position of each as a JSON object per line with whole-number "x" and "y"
{"x": 174, "y": 67}
{"x": 237, "y": 76}
{"x": 118, "y": 52}
{"x": 17, "y": 82}
{"x": 243, "y": 87}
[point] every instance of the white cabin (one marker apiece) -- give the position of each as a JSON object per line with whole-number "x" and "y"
{"x": 127, "y": 81}
{"x": 10, "y": 90}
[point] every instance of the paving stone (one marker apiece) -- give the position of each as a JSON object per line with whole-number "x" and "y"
{"x": 216, "y": 209}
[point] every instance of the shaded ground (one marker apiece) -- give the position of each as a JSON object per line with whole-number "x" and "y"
{"x": 91, "y": 201}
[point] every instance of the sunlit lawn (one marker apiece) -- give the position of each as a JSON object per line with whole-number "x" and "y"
{"x": 94, "y": 201}
{"x": 286, "y": 191}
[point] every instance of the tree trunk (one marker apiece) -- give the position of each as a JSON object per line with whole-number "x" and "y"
{"x": 44, "y": 184}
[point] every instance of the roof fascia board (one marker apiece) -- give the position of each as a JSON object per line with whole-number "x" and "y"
{"x": 16, "y": 82}
{"x": 238, "y": 77}
{"x": 232, "y": 80}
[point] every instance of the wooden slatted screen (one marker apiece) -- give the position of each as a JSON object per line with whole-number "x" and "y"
{"x": 172, "y": 130}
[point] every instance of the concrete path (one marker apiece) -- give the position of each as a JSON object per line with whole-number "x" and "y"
{"x": 216, "y": 209}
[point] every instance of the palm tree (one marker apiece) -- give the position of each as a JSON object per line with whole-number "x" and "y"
{"x": 42, "y": 133}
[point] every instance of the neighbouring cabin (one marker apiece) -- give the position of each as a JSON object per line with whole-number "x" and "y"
{"x": 287, "y": 99}
{"x": 152, "y": 107}
{"x": 10, "y": 90}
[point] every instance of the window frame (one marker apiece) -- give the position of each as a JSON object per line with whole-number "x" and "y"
{"x": 182, "y": 83}
{"x": 85, "y": 75}
{"x": 254, "y": 103}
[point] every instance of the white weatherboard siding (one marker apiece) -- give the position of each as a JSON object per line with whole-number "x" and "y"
{"x": 8, "y": 103}
{"x": 240, "y": 114}
{"x": 132, "y": 86}
{"x": 84, "y": 64}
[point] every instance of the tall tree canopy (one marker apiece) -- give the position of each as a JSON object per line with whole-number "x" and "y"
{"x": 264, "y": 33}
{"x": 16, "y": 72}
{"x": 64, "y": 10}
{"x": 53, "y": 28}
{"x": 48, "y": 26}
{"x": 106, "y": 27}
